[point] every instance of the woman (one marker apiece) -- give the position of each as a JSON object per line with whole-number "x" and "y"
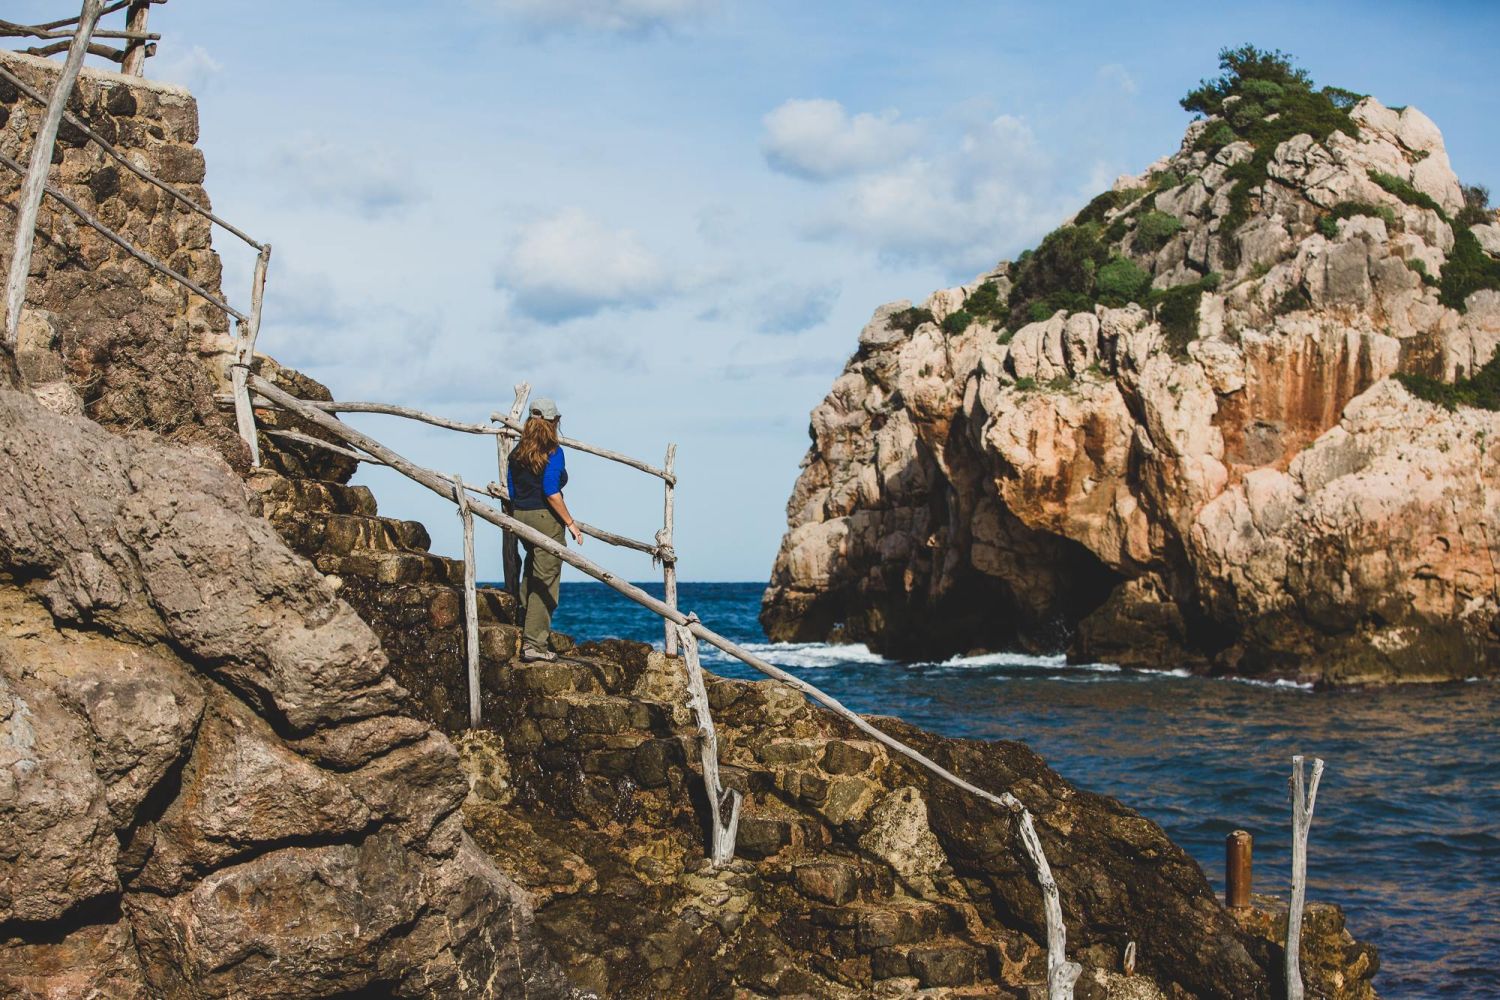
{"x": 537, "y": 475}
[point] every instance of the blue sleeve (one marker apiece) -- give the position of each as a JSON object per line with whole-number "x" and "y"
{"x": 510, "y": 482}
{"x": 552, "y": 475}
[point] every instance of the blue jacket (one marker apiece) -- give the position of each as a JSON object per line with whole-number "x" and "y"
{"x": 528, "y": 490}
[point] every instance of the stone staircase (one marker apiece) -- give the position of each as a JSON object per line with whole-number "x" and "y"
{"x": 412, "y": 598}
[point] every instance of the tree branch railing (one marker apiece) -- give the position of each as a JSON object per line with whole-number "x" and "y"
{"x": 140, "y": 43}
{"x": 34, "y": 185}
{"x": 1061, "y": 973}
{"x": 505, "y": 430}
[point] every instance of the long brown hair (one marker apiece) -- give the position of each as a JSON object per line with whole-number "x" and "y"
{"x": 538, "y": 442}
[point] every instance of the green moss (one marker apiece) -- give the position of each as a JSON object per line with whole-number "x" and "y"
{"x": 907, "y": 320}
{"x": 1468, "y": 270}
{"x": 1404, "y": 190}
{"x": 1328, "y": 224}
{"x": 1480, "y": 390}
{"x": 957, "y": 322}
{"x": 1154, "y": 230}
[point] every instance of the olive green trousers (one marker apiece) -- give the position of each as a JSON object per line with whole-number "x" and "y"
{"x": 540, "y": 576}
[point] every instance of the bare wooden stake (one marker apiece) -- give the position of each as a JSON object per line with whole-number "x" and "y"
{"x": 471, "y": 600}
{"x": 134, "y": 63}
{"x": 664, "y": 542}
{"x": 29, "y": 201}
{"x": 723, "y": 829}
{"x": 510, "y": 549}
{"x": 249, "y": 330}
{"x": 1302, "y": 814}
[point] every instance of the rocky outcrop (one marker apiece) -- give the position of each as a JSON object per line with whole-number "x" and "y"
{"x": 205, "y": 789}
{"x": 1221, "y": 474}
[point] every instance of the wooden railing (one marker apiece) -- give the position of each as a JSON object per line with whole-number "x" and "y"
{"x": 140, "y": 44}
{"x": 34, "y": 185}
{"x": 724, "y": 803}
{"x": 506, "y": 430}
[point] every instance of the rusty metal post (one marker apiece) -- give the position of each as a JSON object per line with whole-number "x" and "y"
{"x": 1237, "y": 869}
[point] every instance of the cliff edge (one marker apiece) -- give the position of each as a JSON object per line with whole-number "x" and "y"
{"x": 1238, "y": 414}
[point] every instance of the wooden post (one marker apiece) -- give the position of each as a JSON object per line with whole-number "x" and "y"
{"x": 249, "y": 330}
{"x": 471, "y": 603}
{"x": 510, "y": 549}
{"x": 1237, "y": 869}
{"x": 1302, "y": 813}
{"x": 722, "y": 829}
{"x": 136, "y": 50}
{"x": 29, "y": 201}
{"x": 664, "y": 543}
{"x": 1061, "y": 972}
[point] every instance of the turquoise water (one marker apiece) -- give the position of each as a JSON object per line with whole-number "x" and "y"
{"x": 1406, "y": 835}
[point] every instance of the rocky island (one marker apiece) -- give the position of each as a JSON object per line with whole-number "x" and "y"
{"x": 234, "y": 754}
{"x": 1238, "y": 414}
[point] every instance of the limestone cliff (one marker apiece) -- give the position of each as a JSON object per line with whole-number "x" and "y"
{"x": 1170, "y": 434}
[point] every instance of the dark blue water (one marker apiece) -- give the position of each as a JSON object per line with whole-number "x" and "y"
{"x": 1406, "y": 834}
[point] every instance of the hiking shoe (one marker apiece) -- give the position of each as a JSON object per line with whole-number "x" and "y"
{"x": 531, "y": 653}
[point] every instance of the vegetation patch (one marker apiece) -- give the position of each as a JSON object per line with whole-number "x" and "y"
{"x": 1476, "y": 210}
{"x": 1406, "y": 192}
{"x": 1419, "y": 265}
{"x": 1328, "y": 225}
{"x": 907, "y": 320}
{"x": 1468, "y": 270}
{"x": 957, "y": 322}
{"x": 1059, "y": 274}
{"x": 1480, "y": 390}
{"x": 1154, "y": 230}
{"x": 1121, "y": 280}
{"x": 1176, "y": 309}
{"x": 1263, "y": 99}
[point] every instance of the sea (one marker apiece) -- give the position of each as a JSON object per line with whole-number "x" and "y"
{"x": 1406, "y": 830}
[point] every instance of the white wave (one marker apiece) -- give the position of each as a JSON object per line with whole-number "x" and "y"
{"x": 809, "y": 655}
{"x": 1280, "y": 682}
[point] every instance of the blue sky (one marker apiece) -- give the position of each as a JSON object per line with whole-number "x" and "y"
{"x": 674, "y": 216}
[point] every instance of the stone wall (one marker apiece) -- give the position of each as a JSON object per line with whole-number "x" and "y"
{"x": 102, "y": 331}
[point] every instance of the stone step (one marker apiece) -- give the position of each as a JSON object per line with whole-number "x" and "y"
{"x": 394, "y": 567}
{"x": 935, "y": 962}
{"x": 282, "y": 497}
{"x": 557, "y": 677}
{"x": 565, "y": 716}
{"x": 346, "y": 534}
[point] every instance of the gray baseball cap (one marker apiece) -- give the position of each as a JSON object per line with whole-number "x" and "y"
{"x": 544, "y": 408}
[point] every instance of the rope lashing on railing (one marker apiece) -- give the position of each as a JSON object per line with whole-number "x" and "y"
{"x": 1061, "y": 973}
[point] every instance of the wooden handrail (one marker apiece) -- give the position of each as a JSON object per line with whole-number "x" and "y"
{"x": 1061, "y": 972}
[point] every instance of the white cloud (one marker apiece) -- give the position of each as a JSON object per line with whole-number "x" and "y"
{"x": 368, "y": 181}
{"x": 993, "y": 189}
{"x": 817, "y": 140}
{"x": 620, "y": 16}
{"x": 192, "y": 68}
{"x": 789, "y": 308}
{"x": 1116, "y": 76}
{"x": 570, "y": 264}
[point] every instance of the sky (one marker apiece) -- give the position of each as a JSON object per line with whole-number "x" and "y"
{"x": 675, "y": 216}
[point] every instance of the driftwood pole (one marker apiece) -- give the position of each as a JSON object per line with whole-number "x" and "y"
{"x": 1060, "y": 972}
{"x": 1302, "y": 814}
{"x": 723, "y": 829}
{"x": 510, "y": 550}
{"x": 137, "y": 49}
{"x": 664, "y": 542}
{"x": 244, "y": 412}
{"x": 471, "y": 603}
{"x": 29, "y": 201}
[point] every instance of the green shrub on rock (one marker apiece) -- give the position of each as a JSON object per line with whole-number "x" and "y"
{"x": 1154, "y": 230}
{"x": 957, "y": 322}
{"x": 1476, "y": 210}
{"x": 1328, "y": 224}
{"x": 1121, "y": 280}
{"x": 1480, "y": 390}
{"x": 907, "y": 320}
{"x": 1468, "y": 270}
{"x": 1058, "y": 275}
{"x": 1406, "y": 192}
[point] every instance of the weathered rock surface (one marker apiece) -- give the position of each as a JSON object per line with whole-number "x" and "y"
{"x": 1260, "y": 500}
{"x": 204, "y": 789}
